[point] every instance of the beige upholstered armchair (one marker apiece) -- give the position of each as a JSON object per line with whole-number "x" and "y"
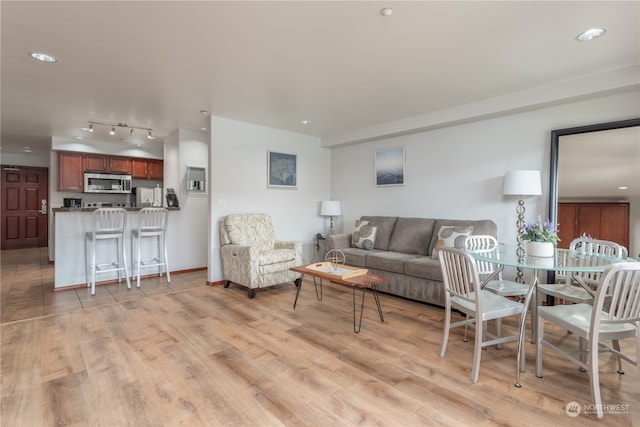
{"x": 252, "y": 257}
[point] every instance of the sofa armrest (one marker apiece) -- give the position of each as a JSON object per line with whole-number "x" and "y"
{"x": 338, "y": 241}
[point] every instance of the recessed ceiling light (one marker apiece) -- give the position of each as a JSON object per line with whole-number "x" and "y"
{"x": 84, "y": 129}
{"x": 204, "y": 112}
{"x": 43, "y": 57}
{"x": 78, "y": 137}
{"x": 590, "y": 34}
{"x": 306, "y": 122}
{"x": 204, "y": 129}
{"x": 623, "y": 187}
{"x": 27, "y": 149}
{"x": 387, "y": 11}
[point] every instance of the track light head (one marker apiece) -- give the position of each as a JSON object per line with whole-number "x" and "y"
{"x": 90, "y": 127}
{"x": 113, "y": 131}
{"x": 132, "y": 133}
{"x": 149, "y": 136}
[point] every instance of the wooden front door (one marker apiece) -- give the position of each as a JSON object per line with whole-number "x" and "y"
{"x": 24, "y": 214}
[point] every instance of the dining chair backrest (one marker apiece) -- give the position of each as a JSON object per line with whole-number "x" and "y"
{"x": 591, "y": 248}
{"x": 618, "y": 298}
{"x": 460, "y": 274}
{"x": 588, "y": 246}
{"x": 483, "y": 244}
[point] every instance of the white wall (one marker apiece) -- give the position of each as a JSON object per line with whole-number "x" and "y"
{"x": 238, "y": 177}
{"x": 457, "y": 171}
{"x": 188, "y": 236}
{"x": 40, "y": 160}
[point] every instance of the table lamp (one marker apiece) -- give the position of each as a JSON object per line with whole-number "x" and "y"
{"x": 331, "y": 208}
{"x": 521, "y": 183}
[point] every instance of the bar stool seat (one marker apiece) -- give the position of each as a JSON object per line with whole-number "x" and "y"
{"x": 152, "y": 224}
{"x": 108, "y": 224}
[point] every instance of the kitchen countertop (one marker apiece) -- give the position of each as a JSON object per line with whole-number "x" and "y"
{"x": 136, "y": 209}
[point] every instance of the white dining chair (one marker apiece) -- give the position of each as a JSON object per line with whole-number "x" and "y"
{"x": 569, "y": 290}
{"x": 605, "y": 320}
{"x": 463, "y": 293}
{"x": 499, "y": 286}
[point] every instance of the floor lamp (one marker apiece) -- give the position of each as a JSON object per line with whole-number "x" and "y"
{"x": 521, "y": 183}
{"x": 331, "y": 208}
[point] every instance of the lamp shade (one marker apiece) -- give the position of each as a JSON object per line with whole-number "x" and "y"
{"x": 331, "y": 208}
{"x": 522, "y": 183}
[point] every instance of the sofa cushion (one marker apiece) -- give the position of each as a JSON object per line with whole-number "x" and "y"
{"x": 450, "y": 236}
{"x": 388, "y": 261}
{"x": 412, "y": 235}
{"x": 424, "y": 267}
{"x": 356, "y": 257}
{"x": 364, "y": 235}
{"x": 485, "y": 226}
{"x": 385, "y": 226}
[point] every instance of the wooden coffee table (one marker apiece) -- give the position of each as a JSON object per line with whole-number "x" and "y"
{"x": 361, "y": 281}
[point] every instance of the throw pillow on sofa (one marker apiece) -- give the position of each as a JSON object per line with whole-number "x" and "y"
{"x": 451, "y": 237}
{"x": 364, "y": 235}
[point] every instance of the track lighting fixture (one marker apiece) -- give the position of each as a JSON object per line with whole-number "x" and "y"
{"x": 113, "y": 127}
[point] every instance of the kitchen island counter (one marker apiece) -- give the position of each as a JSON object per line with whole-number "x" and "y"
{"x": 70, "y": 228}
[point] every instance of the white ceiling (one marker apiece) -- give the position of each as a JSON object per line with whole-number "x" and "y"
{"x": 339, "y": 64}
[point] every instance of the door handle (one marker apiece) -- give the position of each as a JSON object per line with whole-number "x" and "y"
{"x": 43, "y": 208}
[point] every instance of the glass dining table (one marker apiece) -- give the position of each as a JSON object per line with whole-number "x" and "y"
{"x": 564, "y": 260}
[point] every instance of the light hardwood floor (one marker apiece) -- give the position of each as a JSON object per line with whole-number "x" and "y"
{"x": 195, "y": 355}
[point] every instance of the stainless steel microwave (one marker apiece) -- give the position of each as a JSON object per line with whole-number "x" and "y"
{"x": 106, "y": 183}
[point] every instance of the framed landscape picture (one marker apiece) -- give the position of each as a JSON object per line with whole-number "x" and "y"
{"x": 281, "y": 170}
{"x": 389, "y": 166}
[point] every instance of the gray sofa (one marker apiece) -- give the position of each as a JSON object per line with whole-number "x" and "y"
{"x": 403, "y": 251}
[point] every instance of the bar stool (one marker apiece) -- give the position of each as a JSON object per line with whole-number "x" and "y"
{"x": 152, "y": 223}
{"x": 108, "y": 224}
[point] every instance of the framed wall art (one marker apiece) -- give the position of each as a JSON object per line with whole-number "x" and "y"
{"x": 282, "y": 170}
{"x": 389, "y": 165}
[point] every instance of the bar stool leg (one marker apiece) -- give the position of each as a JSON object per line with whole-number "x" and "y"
{"x": 138, "y": 260}
{"x": 166, "y": 258}
{"x": 124, "y": 262}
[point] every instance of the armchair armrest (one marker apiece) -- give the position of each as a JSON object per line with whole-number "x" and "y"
{"x": 239, "y": 263}
{"x": 295, "y": 246}
{"x": 338, "y": 241}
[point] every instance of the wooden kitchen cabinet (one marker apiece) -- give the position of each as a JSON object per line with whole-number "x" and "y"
{"x": 95, "y": 162}
{"x": 603, "y": 221}
{"x": 139, "y": 168}
{"x": 70, "y": 171}
{"x": 147, "y": 169}
{"x": 72, "y": 166}
{"x": 119, "y": 164}
{"x": 155, "y": 169}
